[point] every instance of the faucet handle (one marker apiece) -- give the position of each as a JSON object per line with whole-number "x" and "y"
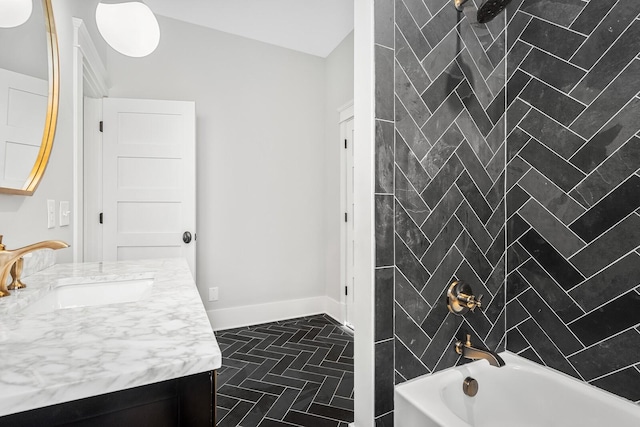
{"x": 475, "y": 303}
{"x": 460, "y": 298}
{"x": 460, "y": 344}
{"x": 16, "y": 272}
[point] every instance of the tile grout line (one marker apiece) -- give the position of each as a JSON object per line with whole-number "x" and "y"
{"x": 630, "y": 214}
{"x": 453, "y": 123}
{"x": 396, "y": 62}
{"x": 632, "y": 328}
{"x": 597, "y": 98}
{"x": 566, "y": 227}
{"x": 416, "y": 289}
{"x": 415, "y": 22}
{"x": 547, "y": 304}
{"x": 578, "y": 15}
{"x": 559, "y": 287}
{"x": 595, "y": 29}
{"x": 565, "y": 357}
{"x": 414, "y": 222}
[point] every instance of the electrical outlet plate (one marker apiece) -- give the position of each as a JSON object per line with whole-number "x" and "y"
{"x": 51, "y": 213}
{"x": 213, "y": 294}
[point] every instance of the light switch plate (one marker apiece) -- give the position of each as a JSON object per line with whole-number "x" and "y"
{"x": 64, "y": 213}
{"x": 51, "y": 213}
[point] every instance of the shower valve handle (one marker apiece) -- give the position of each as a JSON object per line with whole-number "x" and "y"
{"x": 460, "y": 298}
{"x": 470, "y": 301}
{"x": 475, "y": 302}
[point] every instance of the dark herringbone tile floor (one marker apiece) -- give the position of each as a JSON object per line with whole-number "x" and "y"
{"x": 297, "y": 372}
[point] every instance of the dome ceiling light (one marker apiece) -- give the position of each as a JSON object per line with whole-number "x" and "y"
{"x": 14, "y": 12}
{"x": 129, "y": 27}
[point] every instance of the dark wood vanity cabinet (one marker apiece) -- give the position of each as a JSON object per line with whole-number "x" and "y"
{"x": 182, "y": 402}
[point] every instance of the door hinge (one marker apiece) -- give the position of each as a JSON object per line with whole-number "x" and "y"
{"x": 346, "y": 216}
{"x": 100, "y": 218}
{"x": 346, "y": 290}
{"x": 345, "y": 143}
{"x": 101, "y": 126}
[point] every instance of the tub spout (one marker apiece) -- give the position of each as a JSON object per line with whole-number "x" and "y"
{"x": 469, "y": 352}
{"x": 8, "y": 258}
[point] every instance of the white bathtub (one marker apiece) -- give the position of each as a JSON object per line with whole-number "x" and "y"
{"x": 519, "y": 394}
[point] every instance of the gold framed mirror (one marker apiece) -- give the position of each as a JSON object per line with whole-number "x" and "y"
{"x": 29, "y": 93}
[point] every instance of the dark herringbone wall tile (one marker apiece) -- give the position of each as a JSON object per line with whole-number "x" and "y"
{"x": 566, "y": 231}
{"x": 384, "y": 210}
{"x": 448, "y": 181}
{"x": 573, "y": 225}
{"x": 440, "y": 169}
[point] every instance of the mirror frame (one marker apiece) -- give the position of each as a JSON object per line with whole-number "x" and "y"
{"x": 51, "y": 120}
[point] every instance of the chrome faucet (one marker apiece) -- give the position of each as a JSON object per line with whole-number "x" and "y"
{"x": 467, "y": 351}
{"x": 9, "y": 257}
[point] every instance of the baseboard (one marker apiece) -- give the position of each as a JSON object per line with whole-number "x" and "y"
{"x": 335, "y": 309}
{"x": 237, "y": 317}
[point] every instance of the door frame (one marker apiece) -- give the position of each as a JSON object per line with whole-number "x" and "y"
{"x": 345, "y": 113}
{"x": 90, "y": 78}
{"x": 92, "y": 180}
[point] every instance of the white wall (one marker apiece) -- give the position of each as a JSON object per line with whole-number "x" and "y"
{"x": 232, "y": 168}
{"x": 339, "y": 91}
{"x": 268, "y": 157}
{"x": 260, "y": 134}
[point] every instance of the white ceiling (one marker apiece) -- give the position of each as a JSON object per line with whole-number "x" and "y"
{"x": 315, "y": 27}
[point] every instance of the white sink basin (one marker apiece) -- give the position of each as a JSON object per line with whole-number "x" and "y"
{"x": 92, "y": 294}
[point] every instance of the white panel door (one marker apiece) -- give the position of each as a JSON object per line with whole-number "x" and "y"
{"x": 149, "y": 180}
{"x": 23, "y": 109}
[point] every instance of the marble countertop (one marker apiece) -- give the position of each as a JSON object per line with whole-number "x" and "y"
{"x": 74, "y": 353}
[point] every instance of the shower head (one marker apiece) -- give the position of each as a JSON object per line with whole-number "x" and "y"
{"x": 490, "y": 9}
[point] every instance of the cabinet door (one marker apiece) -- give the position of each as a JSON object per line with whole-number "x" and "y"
{"x": 182, "y": 402}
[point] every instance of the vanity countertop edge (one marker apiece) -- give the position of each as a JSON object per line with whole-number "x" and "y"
{"x": 70, "y": 354}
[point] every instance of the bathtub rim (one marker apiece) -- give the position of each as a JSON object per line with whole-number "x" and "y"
{"x": 442, "y": 414}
